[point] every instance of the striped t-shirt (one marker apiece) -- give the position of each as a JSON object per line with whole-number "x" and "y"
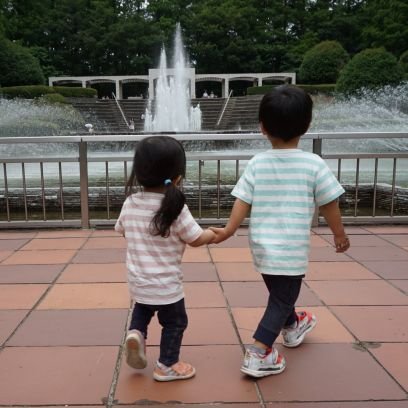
{"x": 154, "y": 262}
{"x": 283, "y": 186}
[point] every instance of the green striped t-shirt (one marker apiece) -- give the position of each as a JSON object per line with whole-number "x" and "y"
{"x": 283, "y": 186}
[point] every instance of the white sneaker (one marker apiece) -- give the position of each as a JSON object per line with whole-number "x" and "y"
{"x": 293, "y": 337}
{"x": 135, "y": 349}
{"x": 258, "y": 365}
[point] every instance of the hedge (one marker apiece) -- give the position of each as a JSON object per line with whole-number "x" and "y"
{"x": 36, "y": 91}
{"x": 312, "y": 89}
{"x": 53, "y": 98}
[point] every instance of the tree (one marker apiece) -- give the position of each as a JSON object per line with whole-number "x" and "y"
{"x": 371, "y": 68}
{"x": 18, "y": 66}
{"x": 322, "y": 63}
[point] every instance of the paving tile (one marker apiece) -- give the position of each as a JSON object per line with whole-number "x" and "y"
{"x": 12, "y": 244}
{"x": 388, "y": 269}
{"x": 327, "y": 254}
{"x": 100, "y": 256}
{"x": 236, "y": 241}
{"x": 105, "y": 233}
{"x": 338, "y": 271}
{"x": 138, "y": 386}
{"x": 327, "y": 330}
{"x": 390, "y": 357}
{"x": 203, "y": 294}
{"x": 54, "y": 243}
{"x": 386, "y": 253}
{"x": 5, "y": 254}
{"x": 63, "y": 375}
{"x": 29, "y": 273}
{"x": 199, "y": 272}
{"x": 87, "y": 296}
{"x": 242, "y": 231}
{"x": 230, "y": 254}
{"x": 205, "y": 326}
{"x": 392, "y": 229}
{"x": 342, "y": 404}
{"x": 176, "y": 405}
{"x": 367, "y": 292}
{"x": 74, "y": 233}
{"x": 88, "y": 273}
{"x": 349, "y": 229}
{"x": 17, "y": 235}
{"x": 400, "y": 284}
{"x": 40, "y": 257}
{"x": 20, "y": 296}
{"x": 362, "y": 240}
{"x": 375, "y": 323}
{"x": 105, "y": 242}
{"x": 237, "y": 271}
{"x": 255, "y": 294}
{"x": 313, "y": 364}
{"x": 71, "y": 328}
{"x": 318, "y": 242}
{"x": 196, "y": 255}
{"x": 397, "y": 239}
{"x": 9, "y": 320}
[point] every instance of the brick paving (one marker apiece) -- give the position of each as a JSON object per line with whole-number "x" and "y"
{"x": 64, "y": 308}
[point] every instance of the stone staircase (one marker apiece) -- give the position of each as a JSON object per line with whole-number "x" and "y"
{"x": 105, "y": 116}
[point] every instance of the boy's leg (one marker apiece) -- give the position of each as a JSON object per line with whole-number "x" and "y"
{"x": 173, "y": 319}
{"x": 135, "y": 339}
{"x": 262, "y": 359}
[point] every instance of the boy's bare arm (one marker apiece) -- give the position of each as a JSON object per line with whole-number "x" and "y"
{"x": 239, "y": 212}
{"x": 206, "y": 237}
{"x": 331, "y": 213}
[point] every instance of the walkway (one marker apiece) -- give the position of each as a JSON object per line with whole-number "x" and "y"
{"x": 64, "y": 306}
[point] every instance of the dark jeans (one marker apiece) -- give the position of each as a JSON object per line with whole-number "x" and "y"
{"x": 173, "y": 319}
{"x": 280, "y": 311}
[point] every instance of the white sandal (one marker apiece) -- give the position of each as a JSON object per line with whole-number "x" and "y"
{"x": 178, "y": 371}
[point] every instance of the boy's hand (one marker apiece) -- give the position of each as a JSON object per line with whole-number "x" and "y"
{"x": 342, "y": 243}
{"x": 220, "y": 235}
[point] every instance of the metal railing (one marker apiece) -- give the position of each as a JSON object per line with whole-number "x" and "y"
{"x": 84, "y": 189}
{"x": 223, "y": 109}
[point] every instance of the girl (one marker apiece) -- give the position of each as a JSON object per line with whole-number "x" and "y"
{"x": 157, "y": 224}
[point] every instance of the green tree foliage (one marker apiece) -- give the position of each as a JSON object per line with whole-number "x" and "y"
{"x": 403, "y": 61}
{"x": 322, "y": 63}
{"x": 18, "y": 66}
{"x": 371, "y": 68}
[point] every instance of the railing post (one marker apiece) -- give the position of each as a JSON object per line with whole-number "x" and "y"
{"x": 317, "y": 149}
{"x": 83, "y": 183}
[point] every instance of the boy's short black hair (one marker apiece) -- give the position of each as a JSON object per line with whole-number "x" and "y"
{"x": 286, "y": 112}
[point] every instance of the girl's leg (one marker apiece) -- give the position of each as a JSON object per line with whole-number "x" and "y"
{"x": 173, "y": 319}
{"x": 280, "y": 311}
{"x": 141, "y": 317}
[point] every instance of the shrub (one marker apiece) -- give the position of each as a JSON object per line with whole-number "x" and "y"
{"x": 371, "y": 68}
{"x": 36, "y": 91}
{"x": 18, "y": 66}
{"x": 53, "y": 98}
{"x": 323, "y": 63}
{"x": 403, "y": 61}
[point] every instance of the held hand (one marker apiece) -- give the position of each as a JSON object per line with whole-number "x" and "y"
{"x": 342, "y": 243}
{"x": 220, "y": 235}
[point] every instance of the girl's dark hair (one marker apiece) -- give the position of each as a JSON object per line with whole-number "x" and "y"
{"x": 157, "y": 159}
{"x": 286, "y": 112}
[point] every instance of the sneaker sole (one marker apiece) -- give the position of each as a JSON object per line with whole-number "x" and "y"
{"x": 135, "y": 357}
{"x": 260, "y": 374}
{"x": 302, "y": 337}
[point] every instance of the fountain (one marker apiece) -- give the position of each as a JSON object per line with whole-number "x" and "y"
{"x": 172, "y": 110}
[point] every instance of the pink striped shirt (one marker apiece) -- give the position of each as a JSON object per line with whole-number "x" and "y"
{"x": 154, "y": 262}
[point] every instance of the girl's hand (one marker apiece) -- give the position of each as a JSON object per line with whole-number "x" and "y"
{"x": 220, "y": 235}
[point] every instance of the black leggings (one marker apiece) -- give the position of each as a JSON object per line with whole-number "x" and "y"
{"x": 280, "y": 311}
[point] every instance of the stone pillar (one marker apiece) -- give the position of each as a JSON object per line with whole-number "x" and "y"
{"x": 225, "y": 88}
{"x": 118, "y": 89}
{"x": 83, "y": 84}
{"x": 151, "y": 88}
{"x": 260, "y": 81}
{"x": 192, "y": 88}
{"x": 293, "y": 76}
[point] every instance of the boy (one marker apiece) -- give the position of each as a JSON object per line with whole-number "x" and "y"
{"x": 281, "y": 187}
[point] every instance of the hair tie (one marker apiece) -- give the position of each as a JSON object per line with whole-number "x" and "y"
{"x": 167, "y": 182}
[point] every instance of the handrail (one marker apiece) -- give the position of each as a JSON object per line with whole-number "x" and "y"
{"x": 223, "y": 110}
{"x": 120, "y": 109}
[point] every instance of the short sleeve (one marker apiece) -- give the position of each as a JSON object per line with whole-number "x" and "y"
{"x": 186, "y": 226}
{"x": 327, "y": 188}
{"x": 244, "y": 189}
